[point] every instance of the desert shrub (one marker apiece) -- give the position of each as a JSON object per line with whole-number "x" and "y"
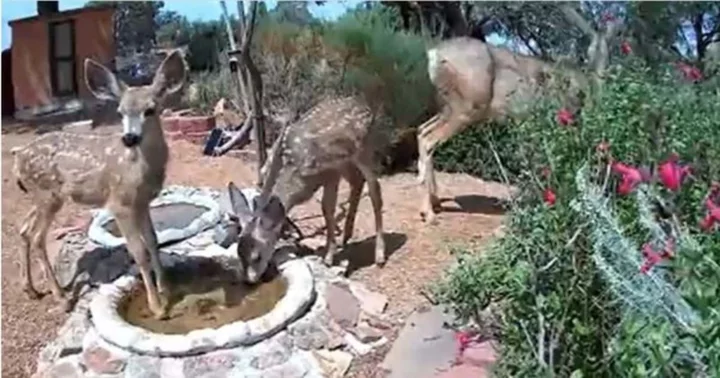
{"x": 208, "y": 87}
{"x": 363, "y": 52}
{"x": 564, "y": 313}
{"x": 384, "y": 63}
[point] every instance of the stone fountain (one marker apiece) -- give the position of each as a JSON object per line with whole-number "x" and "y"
{"x": 305, "y": 333}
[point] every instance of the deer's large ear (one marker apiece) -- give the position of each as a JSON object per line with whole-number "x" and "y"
{"x": 273, "y": 214}
{"x": 170, "y": 76}
{"x": 239, "y": 204}
{"x": 101, "y": 82}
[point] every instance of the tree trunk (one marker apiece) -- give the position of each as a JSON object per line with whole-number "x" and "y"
{"x": 253, "y": 81}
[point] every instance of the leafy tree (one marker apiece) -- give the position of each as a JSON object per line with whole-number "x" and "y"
{"x": 135, "y": 23}
{"x": 173, "y": 29}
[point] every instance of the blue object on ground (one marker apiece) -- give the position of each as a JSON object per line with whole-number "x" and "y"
{"x": 212, "y": 141}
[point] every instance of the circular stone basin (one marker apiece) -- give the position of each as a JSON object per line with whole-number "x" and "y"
{"x": 204, "y": 296}
{"x": 217, "y": 314}
{"x": 177, "y": 213}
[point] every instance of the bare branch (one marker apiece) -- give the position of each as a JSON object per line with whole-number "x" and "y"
{"x": 233, "y": 46}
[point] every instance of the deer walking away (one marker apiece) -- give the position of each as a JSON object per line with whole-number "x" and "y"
{"x": 477, "y": 83}
{"x": 123, "y": 173}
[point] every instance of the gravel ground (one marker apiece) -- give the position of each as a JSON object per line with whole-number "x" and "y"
{"x": 417, "y": 255}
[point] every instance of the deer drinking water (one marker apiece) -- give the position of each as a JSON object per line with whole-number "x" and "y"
{"x": 330, "y": 141}
{"x": 121, "y": 172}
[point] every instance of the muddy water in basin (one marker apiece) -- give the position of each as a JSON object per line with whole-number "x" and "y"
{"x": 204, "y": 296}
{"x": 168, "y": 216}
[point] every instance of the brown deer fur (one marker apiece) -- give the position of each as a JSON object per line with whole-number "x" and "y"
{"x": 329, "y": 142}
{"x": 478, "y": 82}
{"x": 123, "y": 172}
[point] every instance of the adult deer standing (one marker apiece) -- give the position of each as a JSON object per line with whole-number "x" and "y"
{"x": 331, "y": 141}
{"x": 123, "y": 172}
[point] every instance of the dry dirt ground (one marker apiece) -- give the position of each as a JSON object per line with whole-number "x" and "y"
{"x": 417, "y": 254}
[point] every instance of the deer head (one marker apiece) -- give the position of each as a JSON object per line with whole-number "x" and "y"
{"x": 260, "y": 230}
{"x": 139, "y": 107}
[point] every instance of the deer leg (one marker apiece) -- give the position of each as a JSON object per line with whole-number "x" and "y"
{"x": 377, "y": 204}
{"x": 131, "y": 228}
{"x": 28, "y": 225}
{"x": 426, "y": 171}
{"x": 45, "y": 216}
{"x": 356, "y": 186}
{"x": 429, "y": 139}
{"x": 329, "y": 201}
{"x": 421, "y": 158}
{"x": 151, "y": 245}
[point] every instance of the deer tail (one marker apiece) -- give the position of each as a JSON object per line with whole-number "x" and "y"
{"x": 433, "y": 62}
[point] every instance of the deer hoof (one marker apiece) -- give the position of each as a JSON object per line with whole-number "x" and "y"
{"x": 429, "y": 217}
{"x": 161, "y": 314}
{"x": 328, "y": 260}
{"x": 32, "y": 294}
{"x": 380, "y": 262}
{"x": 66, "y": 305}
{"x": 435, "y": 202}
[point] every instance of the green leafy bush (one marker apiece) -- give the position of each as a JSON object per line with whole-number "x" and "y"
{"x": 561, "y": 314}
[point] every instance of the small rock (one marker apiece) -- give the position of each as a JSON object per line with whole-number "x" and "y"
{"x": 334, "y": 364}
{"x": 370, "y": 301}
{"x": 342, "y": 305}
{"x": 275, "y": 355}
{"x": 361, "y": 348}
{"x": 291, "y": 369}
{"x": 143, "y": 367}
{"x": 310, "y": 335}
{"x": 99, "y": 360}
{"x": 367, "y": 334}
{"x": 423, "y": 346}
{"x": 219, "y": 364}
{"x": 313, "y": 243}
{"x": 376, "y": 321}
{"x": 225, "y": 233}
{"x": 63, "y": 368}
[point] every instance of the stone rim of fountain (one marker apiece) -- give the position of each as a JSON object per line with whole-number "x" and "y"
{"x": 169, "y": 195}
{"x": 112, "y": 328}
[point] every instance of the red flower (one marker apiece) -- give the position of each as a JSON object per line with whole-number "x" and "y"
{"x": 672, "y": 174}
{"x": 549, "y": 197}
{"x": 631, "y": 177}
{"x": 626, "y": 48}
{"x": 564, "y": 117}
{"x": 689, "y": 72}
{"x": 712, "y": 216}
{"x": 463, "y": 340}
{"x": 652, "y": 257}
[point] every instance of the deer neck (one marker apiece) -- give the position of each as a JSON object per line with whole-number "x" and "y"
{"x": 154, "y": 149}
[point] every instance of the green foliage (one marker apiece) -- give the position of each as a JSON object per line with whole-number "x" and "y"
{"x": 135, "y": 23}
{"x": 210, "y": 87}
{"x": 560, "y": 313}
{"x": 382, "y": 62}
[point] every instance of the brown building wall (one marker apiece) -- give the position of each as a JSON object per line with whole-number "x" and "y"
{"x": 30, "y": 53}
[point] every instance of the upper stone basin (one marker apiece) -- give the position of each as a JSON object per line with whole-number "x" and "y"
{"x": 177, "y": 213}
